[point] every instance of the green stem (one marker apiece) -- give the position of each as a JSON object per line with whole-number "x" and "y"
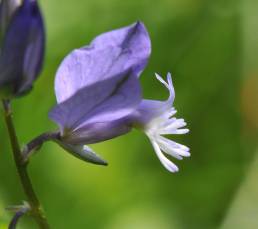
{"x": 34, "y": 203}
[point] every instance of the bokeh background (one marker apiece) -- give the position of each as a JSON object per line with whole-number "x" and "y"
{"x": 211, "y": 48}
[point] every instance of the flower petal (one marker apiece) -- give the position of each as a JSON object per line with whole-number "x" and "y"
{"x": 168, "y": 85}
{"x": 170, "y": 151}
{"x": 176, "y": 147}
{"x": 177, "y": 131}
{"x": 80, "y": 111}
{"x": 134, "y": 35}
{"x": 106, "y": 120}
{"x": 123, "y": 101}
{"x": 170, "y": 166}
{"x": 97, "y": 132}
{"x": 110, "y": 55}
{"x": 172, "y": 127}
{"x": 149, "y": 109}
{"x": 35, "y": 50}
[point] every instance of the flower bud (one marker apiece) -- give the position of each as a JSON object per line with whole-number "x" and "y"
{"x": 8, "y": 8}
{"x": 21, "y": 46}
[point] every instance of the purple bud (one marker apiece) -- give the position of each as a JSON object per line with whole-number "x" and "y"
{"x": 21, "y": 56}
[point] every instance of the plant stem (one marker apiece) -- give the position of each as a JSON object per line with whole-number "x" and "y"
{"x": 34, "y": 203}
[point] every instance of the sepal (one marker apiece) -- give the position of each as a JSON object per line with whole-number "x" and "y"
{"x": 82, "y": 152}
{"x": 24, "y": 207}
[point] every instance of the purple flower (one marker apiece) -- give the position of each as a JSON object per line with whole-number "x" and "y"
{"x": 22, "y": 46}
{"x": 99, "y": 96}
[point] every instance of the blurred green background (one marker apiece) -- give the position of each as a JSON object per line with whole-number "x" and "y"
{"x": 211, "y": 49}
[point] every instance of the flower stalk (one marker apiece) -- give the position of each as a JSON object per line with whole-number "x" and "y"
{"x": 36, "y": 143}
{"x": 15, "y": 219}
{"x": 19, "y": 211}
{"x": 35, "y": 207}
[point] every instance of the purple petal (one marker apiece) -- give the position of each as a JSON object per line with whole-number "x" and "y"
{"x": 101, "y": 79}
{"x": 134, "y": 38}
{"x": 123, "y": 101}
{"x": 13, "y": 49}
{"x": 106, "y": 120}
{"x": 98, "y": 132}
{"x": 34, "y": 54}
{"x": 147, "y": 110}
{"x": 110, "y": 55}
